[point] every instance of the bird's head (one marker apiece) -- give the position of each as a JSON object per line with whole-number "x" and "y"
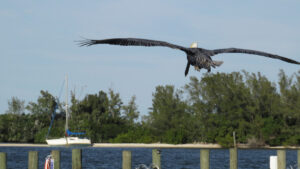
{"x": 194, "y": 45}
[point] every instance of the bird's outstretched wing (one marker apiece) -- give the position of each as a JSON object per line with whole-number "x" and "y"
{"x": 253, "y": 52}
{"x": 130, "y": 42}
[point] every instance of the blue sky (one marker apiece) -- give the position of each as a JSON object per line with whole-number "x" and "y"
{"x": 38, "y": 45}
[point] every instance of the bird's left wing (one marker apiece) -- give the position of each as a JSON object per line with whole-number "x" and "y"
{"x": 130, "y": 42}
{"x": 254, "y": 52}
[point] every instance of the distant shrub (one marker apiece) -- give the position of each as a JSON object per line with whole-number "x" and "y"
{"x": 254, "y": 142}
{"x": 226, "y": 141}
{"x": 293, "y": 141}
{"x": 138, "y": 135}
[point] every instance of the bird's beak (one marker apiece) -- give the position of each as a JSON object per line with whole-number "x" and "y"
{"x": 194, "y": 45}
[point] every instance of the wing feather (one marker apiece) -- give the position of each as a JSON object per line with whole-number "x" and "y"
{"x": 130, "y": 42}
{"x": 253, "y": 52}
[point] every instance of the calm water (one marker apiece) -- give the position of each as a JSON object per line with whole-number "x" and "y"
{"x": 111, "y": 158}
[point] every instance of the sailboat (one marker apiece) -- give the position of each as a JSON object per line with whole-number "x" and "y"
{"x": 68, "y": 139}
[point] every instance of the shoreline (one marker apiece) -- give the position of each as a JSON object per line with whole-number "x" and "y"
{"x": 154, "y": 145}
{"x": 22, "y": 145}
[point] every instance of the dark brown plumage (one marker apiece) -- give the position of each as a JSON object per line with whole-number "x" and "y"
{"x": 197, "y": 57}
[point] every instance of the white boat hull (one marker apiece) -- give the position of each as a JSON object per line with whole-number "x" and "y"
{"x": 69, "y": 141}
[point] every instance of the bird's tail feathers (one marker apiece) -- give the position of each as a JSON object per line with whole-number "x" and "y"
{"x": 217, "y": 63}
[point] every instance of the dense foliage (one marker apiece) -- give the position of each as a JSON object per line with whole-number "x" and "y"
{"x": 205, "y": 110}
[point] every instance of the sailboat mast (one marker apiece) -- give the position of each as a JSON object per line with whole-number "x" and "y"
{"x": 66, "y": 107}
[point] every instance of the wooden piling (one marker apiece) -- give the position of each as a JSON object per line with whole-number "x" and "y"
{"x": 126, "y": 160}
{"x": 156, "y": 158}
{"x": 2, "y": 160}
{"x": 233, "y": 158}
{"x": 281, "y": 159}
{"x": 76, "y": 159}
{"x": 298, "y": 158}
{"x": 204, "y": 159}
{"x": 33, "y": 159}
{"x": 56, "y": 156}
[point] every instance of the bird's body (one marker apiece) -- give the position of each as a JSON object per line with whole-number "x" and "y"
{"x": 197, "y": 57}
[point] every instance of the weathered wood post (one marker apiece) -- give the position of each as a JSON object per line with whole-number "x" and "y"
{"x": 156, "y": 158}
{"x": 76, "y": 159}
{"x": 126, "y": 161}
{"x": 204, "y": 159}
{"x": 281, "y": 159}
{"x": 233, "y": 158}
{"x": 33, "y": 159}
{"x": 298, "y": 158}
{"x": 2, "y": 160}
{"x": 56, "y": 156}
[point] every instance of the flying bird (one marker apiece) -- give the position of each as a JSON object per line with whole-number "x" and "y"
{"x": 197, "y": 57}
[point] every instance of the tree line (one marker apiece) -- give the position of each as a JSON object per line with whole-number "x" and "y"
{"x": 206, "y": 110}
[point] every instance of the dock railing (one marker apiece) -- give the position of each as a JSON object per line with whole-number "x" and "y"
{"x": 156, "y": 159}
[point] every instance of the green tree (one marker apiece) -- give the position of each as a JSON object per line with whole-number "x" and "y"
{"x": 16, "y": 106}
{"x": 99, "y": 115}
{"x": 168, "y": 115}
{"x": 130, "y": 111}
{"x": 115, "y": 104}
{"x": 290, "y": 107}
{"x": 41, "y": 112}
{"x": 265, "y": 108}
{"x": 220, "y": 101}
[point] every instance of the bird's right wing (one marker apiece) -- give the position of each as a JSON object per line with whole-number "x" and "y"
{"x": 130, "y": 42}
{"x": 253, "y": 52}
